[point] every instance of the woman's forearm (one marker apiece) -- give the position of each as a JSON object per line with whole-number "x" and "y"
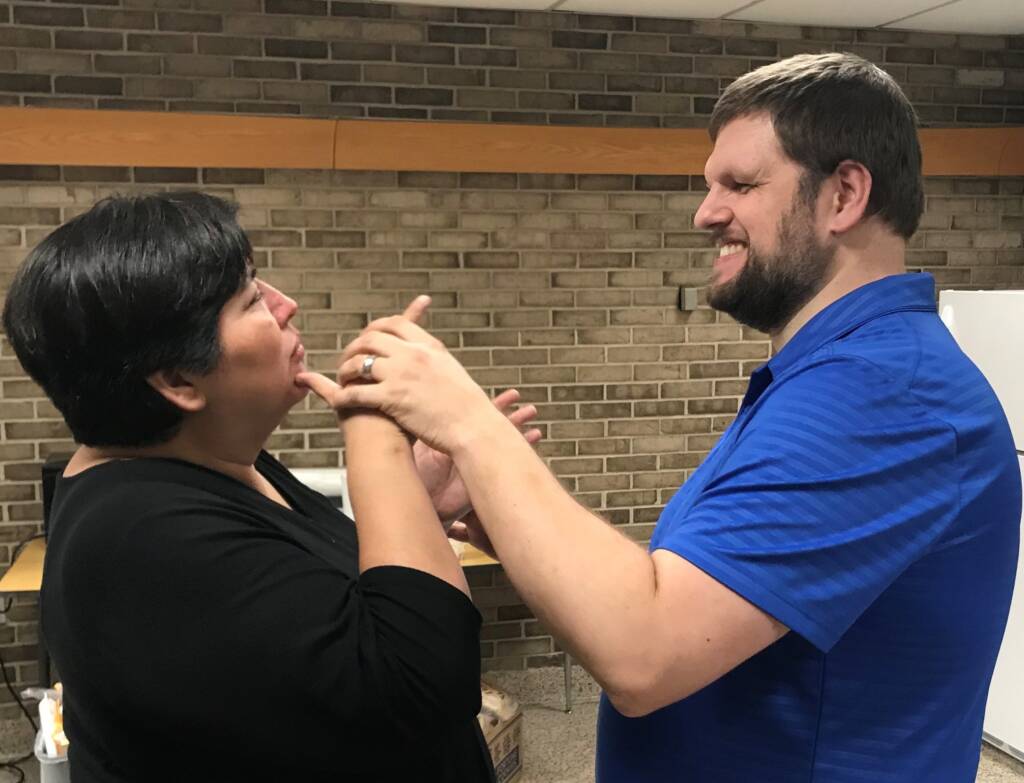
{"x": 395, "y": 519}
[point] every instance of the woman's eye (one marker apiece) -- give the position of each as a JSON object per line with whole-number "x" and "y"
{"x": 257, "y": 297}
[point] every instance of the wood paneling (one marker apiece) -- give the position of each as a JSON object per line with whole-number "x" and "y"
{"x": 435, "y": 146}
{"x": 122, "y": 138}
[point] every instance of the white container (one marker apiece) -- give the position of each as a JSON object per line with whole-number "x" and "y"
{"x": 51, "y": 770}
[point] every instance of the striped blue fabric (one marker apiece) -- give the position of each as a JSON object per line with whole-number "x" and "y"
{"x": 868, "y": 496}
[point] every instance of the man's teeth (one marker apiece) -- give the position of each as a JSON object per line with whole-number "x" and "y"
{"x": 728, "y": 250}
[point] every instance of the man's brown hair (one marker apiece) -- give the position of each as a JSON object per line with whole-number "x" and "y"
{"x": 827, "y": 108}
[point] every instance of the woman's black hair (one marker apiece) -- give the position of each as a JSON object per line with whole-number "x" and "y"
{"x": 133, "y": 286}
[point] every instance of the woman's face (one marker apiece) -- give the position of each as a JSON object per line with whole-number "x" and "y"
{"x": 261, "y": 353}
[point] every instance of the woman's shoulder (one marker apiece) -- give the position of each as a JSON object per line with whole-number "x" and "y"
{"x": 166, "y": 497}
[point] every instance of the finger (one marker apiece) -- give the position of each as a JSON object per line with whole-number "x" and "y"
{"x": 416, "y": 308}
{"x": 404, "y": 329}
{"x": 322, "y": 386}
{"x": 459, "y": 532}
{"x": 533, "y": 436}
{"x": 359, "y": 395}
{"x": 523, "y": 415}
{"x": 352, "y": 370}
{"x": 506, "y": 399}
{"x": 376, "y": 343}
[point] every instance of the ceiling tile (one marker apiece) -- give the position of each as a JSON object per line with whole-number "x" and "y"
{"x": 666, "y": 9}
{"x": 865, "y": 13}
{"x": 511, "y": 5}
{"x": 994, "y": 17}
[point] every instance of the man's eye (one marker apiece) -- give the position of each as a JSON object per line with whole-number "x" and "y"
{"x": 742, "y": 187}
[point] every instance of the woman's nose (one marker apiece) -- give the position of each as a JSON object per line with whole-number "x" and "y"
{"x": 282, "y": 306}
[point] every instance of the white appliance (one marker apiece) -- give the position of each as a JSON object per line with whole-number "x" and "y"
{"x": 989, "y": 326}
{"x": 330, "y": 482}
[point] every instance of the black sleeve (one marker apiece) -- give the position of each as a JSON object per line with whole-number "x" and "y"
{"x": 258, "y": 643}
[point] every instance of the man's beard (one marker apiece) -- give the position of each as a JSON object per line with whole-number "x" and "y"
{"x": 770, "y": 289}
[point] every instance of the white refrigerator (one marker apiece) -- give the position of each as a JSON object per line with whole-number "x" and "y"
{"x": 989, "y": 326}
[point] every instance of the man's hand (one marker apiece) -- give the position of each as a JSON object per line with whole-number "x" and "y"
{"x": 438, "y": 473}
{"x": 414, "y": 380}
{"x": 469, "y": 530}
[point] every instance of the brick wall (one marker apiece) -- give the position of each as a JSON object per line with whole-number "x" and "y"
{"x": 562, "y": 285}
{"x": 348, "y": 59}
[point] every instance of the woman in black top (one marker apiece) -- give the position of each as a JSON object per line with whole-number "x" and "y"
{"x": 212, "y": 618}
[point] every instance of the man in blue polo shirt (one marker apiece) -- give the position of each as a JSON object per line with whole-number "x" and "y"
{"x": 823, "y": 601}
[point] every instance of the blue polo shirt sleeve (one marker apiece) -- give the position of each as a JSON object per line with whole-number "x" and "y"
{"x": 834, "y": 487}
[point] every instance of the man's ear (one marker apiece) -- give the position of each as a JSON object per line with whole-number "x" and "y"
{"x": 178, "y": 389}
{"x": 852, "y": 182}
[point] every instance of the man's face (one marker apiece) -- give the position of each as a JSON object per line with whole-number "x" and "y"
{"x": 773, "y": 257}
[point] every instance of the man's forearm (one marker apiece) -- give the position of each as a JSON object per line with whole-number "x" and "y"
{"x": 590, "y": 584}
{"x": 396, "y": 521}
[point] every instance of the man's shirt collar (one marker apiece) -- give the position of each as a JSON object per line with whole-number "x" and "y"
{"x": 914, "y": 291}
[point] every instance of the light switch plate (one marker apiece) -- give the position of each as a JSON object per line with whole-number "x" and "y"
{"x": 687, "y": 299}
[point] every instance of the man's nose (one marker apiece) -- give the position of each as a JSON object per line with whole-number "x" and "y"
{"x": 711, "y": 212}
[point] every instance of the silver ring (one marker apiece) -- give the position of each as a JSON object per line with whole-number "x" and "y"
{"x": 366, "y": 370}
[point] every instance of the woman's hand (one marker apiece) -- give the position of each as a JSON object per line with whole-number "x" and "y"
{"x": 414, "y": 380}
{"x": 438, "y": 472}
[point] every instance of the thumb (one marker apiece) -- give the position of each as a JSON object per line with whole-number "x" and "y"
{"x": 417, "y": 308}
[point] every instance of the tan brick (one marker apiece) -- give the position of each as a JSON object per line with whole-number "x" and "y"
{"x": 548, "y": 337}
{"x": 491, "y": 338}
{"x": 633, "y": 427}
{"x": 545, "y": 298}
{"x": 523, "y": 318}
{"x": 396, "y": 239}
{"x": 459, "y": 281}
{"x": 604, "y": 446}
{"x": 637, "y": 316}
{"x": 36, "y": 430}
{"x": 548, "y": 260}
{"x": 698, "y": 407}
{"x": 568, "y": 240}
{"x": 497, "y": 377}
{"x": 743, "y": 351}
{"x": 662, "y": 479}
{"x": 488, "y": 299}
{"x": 16, "y": 451}
{"x": 549, "y": 375}
{"x": 686, "y": 389}
{"x": 700, "y": 370}
{"x": 712, "y": 334}
{"x": 604, "y": 373}
{"x": 634, "y": 279}
{"x": 521, "y": 280}
{"x": 685, "y": 426}
{"x": 578, "y": 429}
{"x": 731, "y": 388}
{"x": 521, "y": 356}
{"x": 351, "y": 281}
{"x": 605, "y": 410}
{"x": 603, "y": 336}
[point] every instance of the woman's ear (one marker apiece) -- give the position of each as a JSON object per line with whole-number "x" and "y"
{"x": 850, "y": 199}
{"x": 177, "y": 388}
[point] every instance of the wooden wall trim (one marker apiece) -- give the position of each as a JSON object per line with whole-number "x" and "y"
{"x": 84, "y": 137}
{"x": 129, "y": 138}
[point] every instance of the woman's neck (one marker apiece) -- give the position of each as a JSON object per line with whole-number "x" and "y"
{"x": 240, "y": 467}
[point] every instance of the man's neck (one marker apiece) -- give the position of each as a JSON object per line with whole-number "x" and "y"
{"x": 852, "y": 270}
